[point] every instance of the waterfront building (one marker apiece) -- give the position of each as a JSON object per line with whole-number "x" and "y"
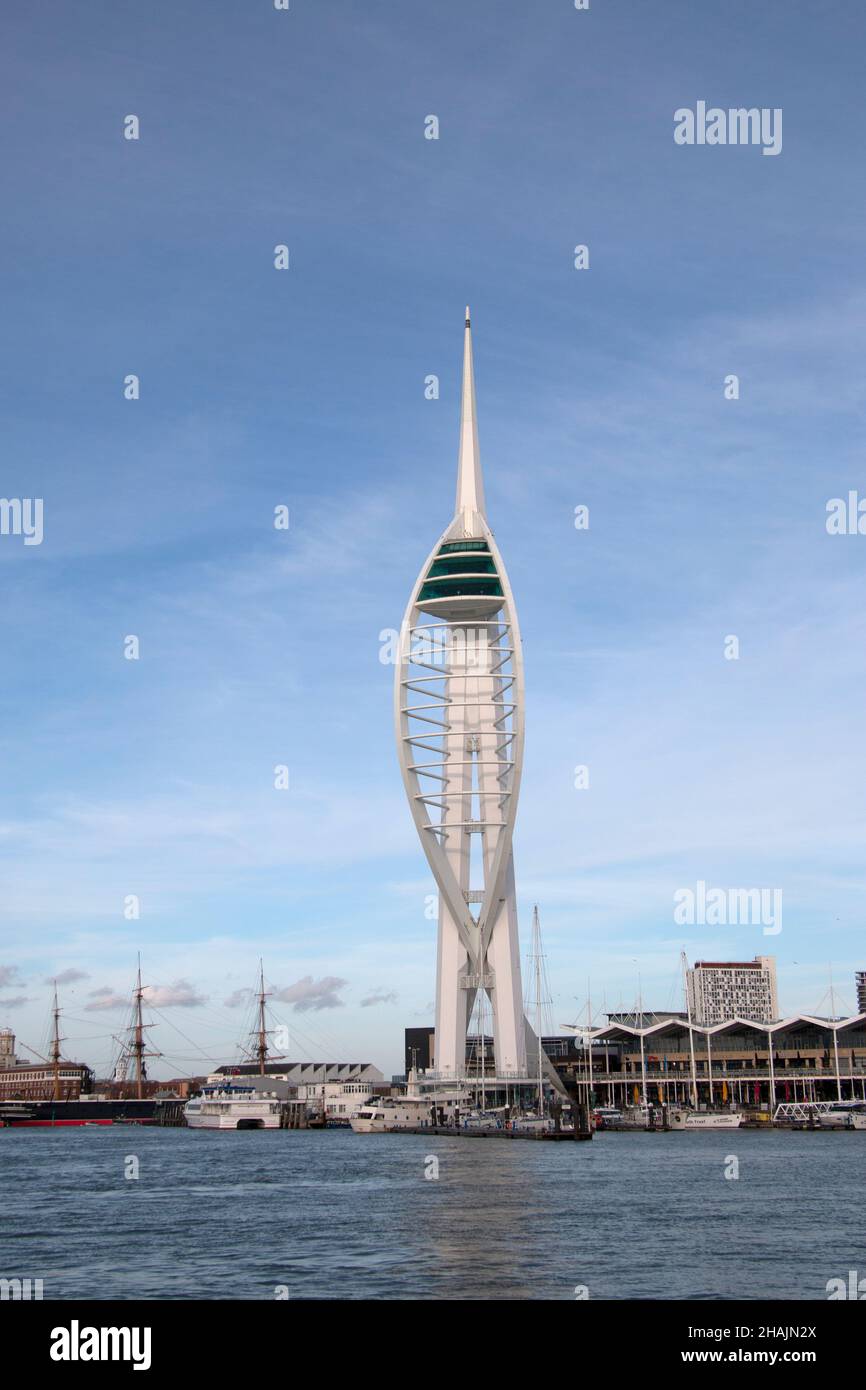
{"x": 726, "y": 989}
{"x": 736, "y": 1061}
{"x": 459, "y": 715}
{"x": 7, "y": 1049}
{"x": 335, "y": 1090}
{"x": 419, "y": 1051}
{"x": 301, "y": 1073}
{"x": 45, "y": 1081}
{"x": 339, "y": 1101}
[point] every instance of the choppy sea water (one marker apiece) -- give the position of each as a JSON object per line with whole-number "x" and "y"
{"x": 337, "y": 1215}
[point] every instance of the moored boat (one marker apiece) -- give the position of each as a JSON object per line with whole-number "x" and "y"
{"x": 844, "y": 1115}
{"x": 232, "y": 1107}
{"x": 704, "y": 1119}
{"x": 85, "y": 1110}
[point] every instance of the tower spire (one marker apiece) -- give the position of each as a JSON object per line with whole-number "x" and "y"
{"x": 470, "y": 484}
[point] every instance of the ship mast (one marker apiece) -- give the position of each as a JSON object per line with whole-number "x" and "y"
{"x": 137, "y": 1047}
{"x": 261, "y": 1050}
{"x": 262, "y": 1045}
{"x": 55, "y": 1047}
{"x": 138, "y": 1037}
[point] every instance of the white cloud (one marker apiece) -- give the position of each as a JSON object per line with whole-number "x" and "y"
{"x": 180, "y": 995}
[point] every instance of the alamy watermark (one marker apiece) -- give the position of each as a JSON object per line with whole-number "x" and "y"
{"x": 729, "y": 907}
{"x": 736, "y": 126}
{"x": 77, "y": 1343}
{"x": 854, "y": 1288}
{"x": 22, "y": 516}
{"x": 21, "y": 1290}
{"x": 450, "y": 648}
{"x": 846, "y": 516}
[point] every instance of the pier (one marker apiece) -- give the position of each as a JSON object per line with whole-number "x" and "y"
{"x": 491, "y": 1132}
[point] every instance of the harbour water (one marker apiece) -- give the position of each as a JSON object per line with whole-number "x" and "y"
{"x": 331, "y": 1214}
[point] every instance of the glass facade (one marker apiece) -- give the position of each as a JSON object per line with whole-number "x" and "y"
{"x": 463, "y": 564}
{"x": 483, "y": 587}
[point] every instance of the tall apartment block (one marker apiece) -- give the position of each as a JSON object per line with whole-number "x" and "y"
{"x": 719, "y": 990}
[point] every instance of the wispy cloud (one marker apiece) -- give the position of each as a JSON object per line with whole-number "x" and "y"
{"x": 378, "y": 997}
{"x": 106, "y": 999}
{"x": 67, "y": 977}
{"x": 309, "y": 994}
{"x": 237, "y": 998}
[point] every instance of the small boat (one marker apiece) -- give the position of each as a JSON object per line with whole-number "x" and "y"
{"x": 482, "y": 1119}
{"x": 369, "y": 1120}
{"x": 530, "y": 1124}
{"x": 849, "y": 1114}
{"x": 607, "y": 1115}
{"x": 232, "y": 1107}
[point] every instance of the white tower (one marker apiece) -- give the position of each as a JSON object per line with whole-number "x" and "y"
{"x": 458, "y": 709}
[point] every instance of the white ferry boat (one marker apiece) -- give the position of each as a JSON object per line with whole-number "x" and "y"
{"x": 704, "y": 1119}
{"x": 232, "y": 1107}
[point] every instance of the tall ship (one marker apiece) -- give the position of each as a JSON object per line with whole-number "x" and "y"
{"x": 232, "y": 1105}
{"x": 55, "y": 1092}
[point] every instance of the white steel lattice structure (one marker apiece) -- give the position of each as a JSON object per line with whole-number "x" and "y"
{"x": 458, "y": 707}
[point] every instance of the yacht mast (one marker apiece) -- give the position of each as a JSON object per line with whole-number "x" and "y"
{"x": 642, "y": 1042}
{"x": 691, "y": 1034}
{"x": 483, "y": 1057}
{"x": 835, "y": 1035}
{"x": 589, "y": 1045}
{"x": 536, "y": 949}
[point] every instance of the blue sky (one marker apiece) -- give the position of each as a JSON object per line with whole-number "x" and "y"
{"x": 306, "y": 387}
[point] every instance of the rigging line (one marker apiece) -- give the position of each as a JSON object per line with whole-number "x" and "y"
{"x": 227, "y": 1025}
{"x": 323, "y": 1040}
{"x": 229, "y": 1017}
{"x": 174, "y": 1061}
{"x": 179, "y": 1031}
{"x": 310, "y": 1040}
{"x": 93, "y": 1037}
{"x": 318, "y": 1043}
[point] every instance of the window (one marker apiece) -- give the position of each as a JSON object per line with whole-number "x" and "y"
{"x": 453, "y": 546}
